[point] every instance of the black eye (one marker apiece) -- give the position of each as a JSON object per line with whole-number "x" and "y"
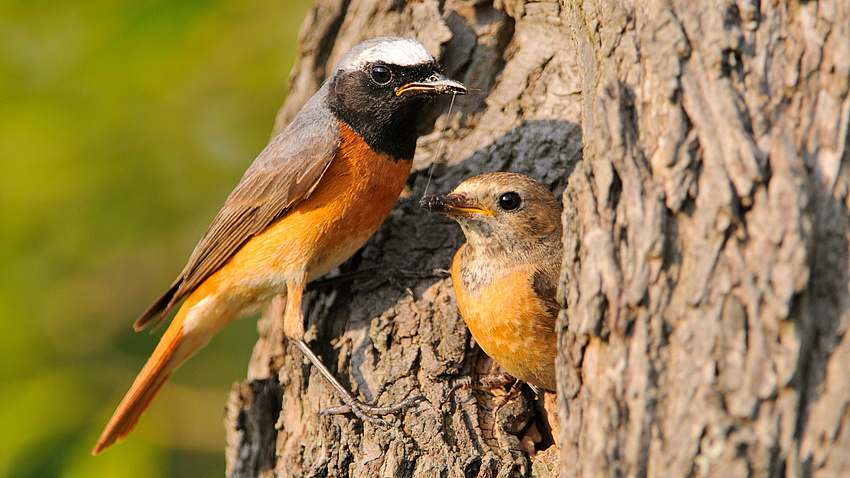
{"x": 509, "y": 201}
{"x": 381, "y": 74}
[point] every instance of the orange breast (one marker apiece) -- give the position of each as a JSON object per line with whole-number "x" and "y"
{"x": 352, "y": 199}
{"x": 510, "y": 324}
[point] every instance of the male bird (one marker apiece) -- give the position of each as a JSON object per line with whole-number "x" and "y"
{"x": 312, "y": 197}
{"x": 506, "y": 275}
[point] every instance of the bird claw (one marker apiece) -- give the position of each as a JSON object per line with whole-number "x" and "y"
{"x": 368, "y": 412}
{"x": 514, "y": 391}
{"x": 489, "y": 382}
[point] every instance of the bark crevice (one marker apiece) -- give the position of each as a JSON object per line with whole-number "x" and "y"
{"x": 700, "y": 149}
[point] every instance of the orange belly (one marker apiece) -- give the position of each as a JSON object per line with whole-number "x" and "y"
{"x": 510, "y": 324}
{"x": 352, "y": 199}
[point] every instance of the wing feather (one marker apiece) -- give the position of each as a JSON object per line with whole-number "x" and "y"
{"x": 284, "y": 173}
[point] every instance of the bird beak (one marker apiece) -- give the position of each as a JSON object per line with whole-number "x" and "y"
{"x": 453, "y": 205}
{"x": 436, "y": 84}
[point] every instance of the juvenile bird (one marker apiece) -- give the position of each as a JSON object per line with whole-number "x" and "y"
{"x": 312, "y": 197}
{"x": 506, "y": 275}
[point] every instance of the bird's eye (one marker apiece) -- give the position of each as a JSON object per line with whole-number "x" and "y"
{"x": 509, "y": 201}
{"x": 381, "y": 74}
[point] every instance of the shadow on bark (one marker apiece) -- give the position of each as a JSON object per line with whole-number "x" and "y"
{"x": 521, "y": 115}
{"x": 397, "y": 327}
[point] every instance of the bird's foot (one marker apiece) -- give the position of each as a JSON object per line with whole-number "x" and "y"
{"x": 514, "y": 391}
{"x": 489, "y": 382}
{"x": 368, "y": 412}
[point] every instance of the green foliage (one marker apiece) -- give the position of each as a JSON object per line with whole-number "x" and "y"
{"x": 123, "y": 127}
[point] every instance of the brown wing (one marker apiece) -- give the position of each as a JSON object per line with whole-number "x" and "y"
{"x": 284, "y": 173}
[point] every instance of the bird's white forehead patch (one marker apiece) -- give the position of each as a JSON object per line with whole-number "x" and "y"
{"x": 391, "y": 50}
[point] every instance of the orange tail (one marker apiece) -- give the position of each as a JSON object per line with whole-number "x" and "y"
{"x": 152, "y": 377}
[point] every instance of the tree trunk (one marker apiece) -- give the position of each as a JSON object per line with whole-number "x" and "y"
{"x": 706, "y": 263}
{"x": 706, "y": 269}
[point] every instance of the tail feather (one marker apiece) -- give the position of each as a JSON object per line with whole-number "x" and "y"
{"x": 198, "y": 320}
{"x": 159, "y": 309}
{"x": 148, "y": 383}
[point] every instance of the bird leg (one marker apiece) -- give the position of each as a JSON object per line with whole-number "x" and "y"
{"x": 513, "y": 392}
{"x": 293, "y": 325}
{"x": 364, "y": 411}
{"x": 492, "y": 382}
{"x": 293, "y": 316}
{"x": 489, "y": 382}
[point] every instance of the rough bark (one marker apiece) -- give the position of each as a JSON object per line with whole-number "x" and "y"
{"x": 397, "y": 326}
{"x": 706, "y": 268}
{"x": 705, "y": 275}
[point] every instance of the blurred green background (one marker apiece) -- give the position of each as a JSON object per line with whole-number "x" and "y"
{"x": 123, "y": 127}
